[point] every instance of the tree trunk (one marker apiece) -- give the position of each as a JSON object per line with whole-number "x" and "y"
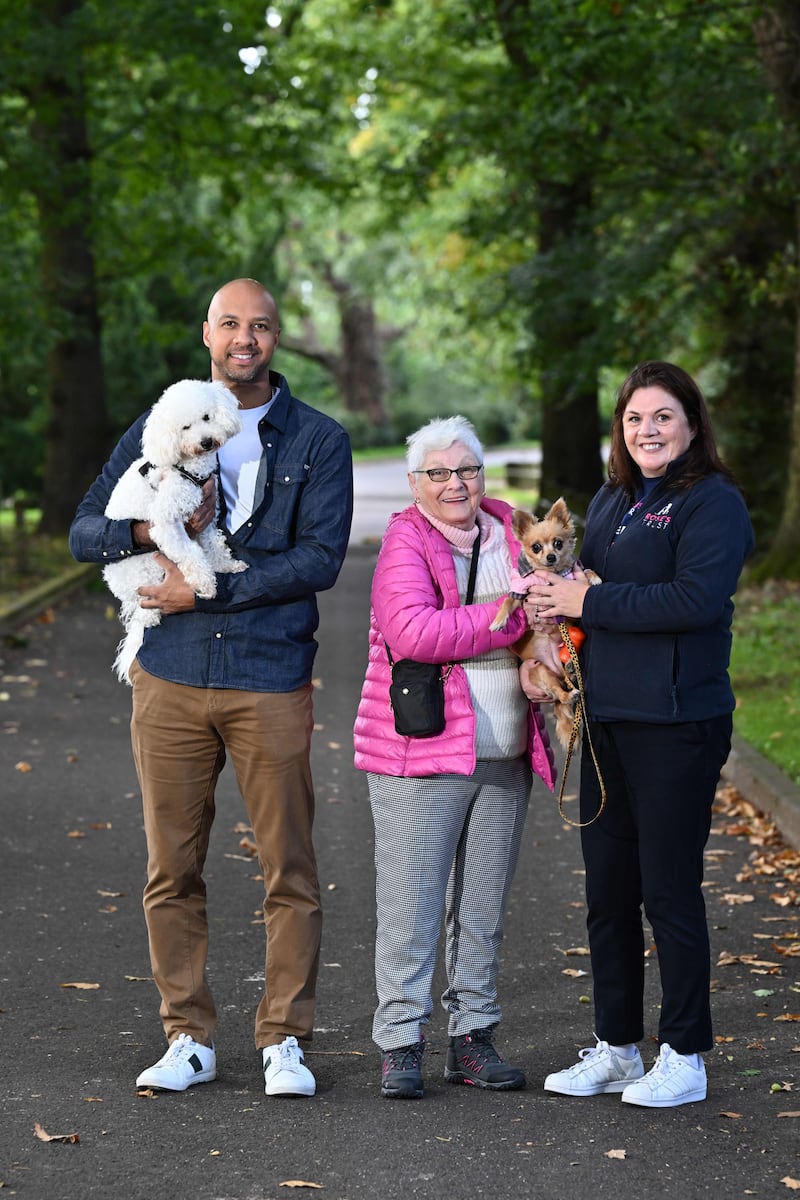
{"x": 361, "y": 373}
{"x": 752, "y": 412}
{"x": 358, "y": 366}
{"x": 563, "y": 323}
{"x": 76, "y": 436}
{"x": 778, "y": 37}
{"x": 783, "y": 558}
{"x": 562, "y": 318}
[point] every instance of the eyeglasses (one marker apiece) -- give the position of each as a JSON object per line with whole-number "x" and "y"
{"x": 442, "y": 474}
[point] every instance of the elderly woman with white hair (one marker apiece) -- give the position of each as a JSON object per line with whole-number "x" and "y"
{"x": 449, "y": 808}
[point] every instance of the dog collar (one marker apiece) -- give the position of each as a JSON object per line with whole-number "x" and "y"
{"x": 147, "y": 467}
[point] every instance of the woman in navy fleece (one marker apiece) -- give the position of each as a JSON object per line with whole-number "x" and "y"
{"x": 668, "y": 534}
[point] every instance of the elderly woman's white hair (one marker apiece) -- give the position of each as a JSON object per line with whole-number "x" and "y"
{"x": 440, "y": 434}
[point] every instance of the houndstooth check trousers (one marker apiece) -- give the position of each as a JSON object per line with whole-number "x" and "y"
{"x": 443, "y": 844}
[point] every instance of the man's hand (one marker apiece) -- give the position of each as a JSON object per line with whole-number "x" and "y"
{"x": 173, "y": 595}
{"x": 206, "y": 510}
{"x": 200, "y": 519}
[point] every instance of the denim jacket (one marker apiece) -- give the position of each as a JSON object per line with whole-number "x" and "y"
{"x": 257, "y": 634}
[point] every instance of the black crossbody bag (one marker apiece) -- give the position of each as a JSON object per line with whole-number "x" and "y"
{"x": 416, "y": 692}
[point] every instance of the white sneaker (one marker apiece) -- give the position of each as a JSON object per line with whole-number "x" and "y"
{"x": 285, "y": 1072}
{"x": 599, "y": 1070}
{"x": 671, "y": 1081}
{"x": 185, "y": 1063}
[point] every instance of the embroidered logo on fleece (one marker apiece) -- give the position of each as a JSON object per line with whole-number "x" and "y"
{"x": 658, "y": 520}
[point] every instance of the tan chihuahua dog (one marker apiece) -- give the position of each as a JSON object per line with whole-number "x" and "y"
{"x": 547, "y": 545}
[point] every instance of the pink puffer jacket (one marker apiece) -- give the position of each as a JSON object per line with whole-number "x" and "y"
{"x": 416, "y": 609}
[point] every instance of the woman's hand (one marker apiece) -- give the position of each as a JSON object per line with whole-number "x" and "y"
{"x": 552, "y": 596}
{"x": 530, "y": 689}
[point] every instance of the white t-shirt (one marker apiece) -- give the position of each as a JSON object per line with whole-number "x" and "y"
{"x": 239, "y": 461}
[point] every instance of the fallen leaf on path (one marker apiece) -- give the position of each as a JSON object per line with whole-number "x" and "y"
{"x": 44, "y": 1136}
{"x": 148, "y": 1092}
{"x": 732, "y": 1115}
{"x": 788, "y": 1017}
{"x": 577, "y": 951}
{"x": 793, "y": 1184}
{"x": 110, "y": 895}
{"x": 615, "y": 1154}
{"x": 737, "y": 897}
{"x": 789, "y": 1114}
{"x": 139, "y": 978}
{"x": 250, "y": 847}
{"x": 76, "y": 833}
{"x": 299, "y": 1183}
{"x": 93, "y": 1099}
{"x": 24, "y": 767}
{"x": 84, "y": 987}
{"x": 573, "y": 972}
{"x": 727, "y": 960}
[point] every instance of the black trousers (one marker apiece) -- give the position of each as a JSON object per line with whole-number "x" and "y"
{"x": 646, "y": 849}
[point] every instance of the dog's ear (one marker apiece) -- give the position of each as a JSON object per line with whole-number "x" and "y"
{"x": 226, "y": 409}
{"x": 560, "y": 513}
{"x": 161, "y": 436}
{"x": 521, "y": 523}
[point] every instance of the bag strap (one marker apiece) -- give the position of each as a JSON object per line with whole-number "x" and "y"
{"x": 473, "y": 568}
{"x": 473, "y": 574}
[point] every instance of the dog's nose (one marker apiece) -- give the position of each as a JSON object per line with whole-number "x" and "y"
{"x": 551, "y": 558}
{"x": 207, "y": 443}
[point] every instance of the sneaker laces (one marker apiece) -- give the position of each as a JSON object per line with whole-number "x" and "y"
{"x": 666, "y": 1061}
{"x": 588, "y": 1053}
{"x": 181, "y": 1048}
{"x": 289, "y": 1054}
{"x": 404, "y": 1058}
{"x": 480, "y": 1047}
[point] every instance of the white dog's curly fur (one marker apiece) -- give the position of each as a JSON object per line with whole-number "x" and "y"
{"x": 180, "y": 439}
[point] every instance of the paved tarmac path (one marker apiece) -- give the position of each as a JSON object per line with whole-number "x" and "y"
{"x": 70, "y": 887}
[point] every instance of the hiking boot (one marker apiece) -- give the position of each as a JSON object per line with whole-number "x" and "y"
{"x": 472, "y": 1059}
{"x": 401, "y": 1072}
{"x": 599, "y": 1070}
{"x": 285, "y": 1071}
{"x": 672, "y": 1080}
{"x": 185, "y": 1063}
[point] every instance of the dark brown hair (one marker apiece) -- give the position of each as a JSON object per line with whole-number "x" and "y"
{"x": 701, "y": 458}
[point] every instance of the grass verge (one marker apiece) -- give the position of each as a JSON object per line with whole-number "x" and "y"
{"x": 766, "y": 651}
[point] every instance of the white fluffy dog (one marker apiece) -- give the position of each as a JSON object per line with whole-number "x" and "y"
{"x": 180, "y": 439}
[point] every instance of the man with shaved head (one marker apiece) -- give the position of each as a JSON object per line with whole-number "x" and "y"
{"x": 231, "y": 676}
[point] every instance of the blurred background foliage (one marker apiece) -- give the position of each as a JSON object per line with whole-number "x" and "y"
{"x": 488, "y": 206}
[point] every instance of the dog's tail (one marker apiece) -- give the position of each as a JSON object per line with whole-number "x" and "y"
{"x": 127, "y": 651}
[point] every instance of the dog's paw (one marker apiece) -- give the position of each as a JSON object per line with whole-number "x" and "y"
{"x": 504, "y": 612}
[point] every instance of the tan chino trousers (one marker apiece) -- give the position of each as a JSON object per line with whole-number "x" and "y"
{"x": 180, "y": 736}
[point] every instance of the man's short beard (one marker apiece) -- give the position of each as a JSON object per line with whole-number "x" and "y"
{"x": 248, "y": 375}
